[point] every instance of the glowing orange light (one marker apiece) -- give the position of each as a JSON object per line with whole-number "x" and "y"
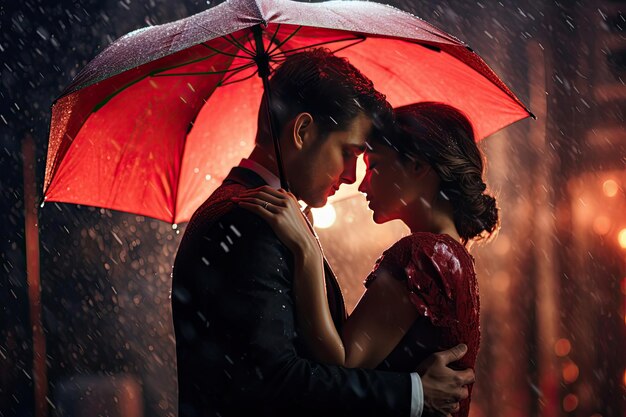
{"x": 502, "y": 245}
{"x": 570, "y": 372}
{"x": 501, "y": 281}
{"x": 602, "y": 225}
{"x": 562, "y": 347}
{"x": 570, "y": 402}
{"x": 610, "y": 188}
{"x": 621, "y": 238}
{"x": 324, "y": 217}
{"x": 625, "y": 378}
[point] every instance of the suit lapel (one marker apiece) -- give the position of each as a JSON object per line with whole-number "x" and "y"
{"x": 335, "y": 298}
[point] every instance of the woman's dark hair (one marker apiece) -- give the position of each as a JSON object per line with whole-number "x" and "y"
{"x": 328, "y": 87}
{"x": 442, "y": 136}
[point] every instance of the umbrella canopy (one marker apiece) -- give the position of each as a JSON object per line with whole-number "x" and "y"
{"x": 153, "y": 124}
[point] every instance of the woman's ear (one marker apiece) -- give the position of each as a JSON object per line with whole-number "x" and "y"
{"x": 302, "y": 126}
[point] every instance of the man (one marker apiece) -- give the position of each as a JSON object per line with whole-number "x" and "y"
{"x": 237, "y": 345}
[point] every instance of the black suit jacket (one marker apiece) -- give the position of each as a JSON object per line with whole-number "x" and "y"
{"x": 237, "y": 347}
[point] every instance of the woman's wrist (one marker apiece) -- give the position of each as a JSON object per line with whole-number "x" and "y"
{"x": 308, "y": 250}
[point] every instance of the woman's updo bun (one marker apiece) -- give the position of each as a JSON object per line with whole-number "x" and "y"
{"x": 442, "y": 136}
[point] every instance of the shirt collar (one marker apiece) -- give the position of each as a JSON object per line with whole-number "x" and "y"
{"x": 269, "y": 177}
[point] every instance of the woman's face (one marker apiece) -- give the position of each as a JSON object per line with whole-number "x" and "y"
{"x": 390, "y": 183}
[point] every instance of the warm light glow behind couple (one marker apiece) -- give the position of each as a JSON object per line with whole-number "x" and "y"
{"x": 261, "y": 328}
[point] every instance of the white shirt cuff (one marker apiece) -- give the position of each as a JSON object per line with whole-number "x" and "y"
{"x": 417, "y": 395}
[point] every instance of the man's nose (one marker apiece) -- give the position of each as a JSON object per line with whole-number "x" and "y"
{"x": 348, "y": 176}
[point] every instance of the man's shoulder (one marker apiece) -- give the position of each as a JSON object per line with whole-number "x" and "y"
{"x": 219, "y": 215}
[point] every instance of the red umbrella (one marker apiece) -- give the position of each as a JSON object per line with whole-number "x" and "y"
{"x": 154, "y": 122}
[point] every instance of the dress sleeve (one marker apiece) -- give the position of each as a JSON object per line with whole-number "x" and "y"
{"x": 428, "y": 268}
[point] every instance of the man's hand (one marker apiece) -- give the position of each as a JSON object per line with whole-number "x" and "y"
{"x": 443, "y": 387}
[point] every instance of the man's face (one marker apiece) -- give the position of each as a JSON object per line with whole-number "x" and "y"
{"x": 323, "y": 164}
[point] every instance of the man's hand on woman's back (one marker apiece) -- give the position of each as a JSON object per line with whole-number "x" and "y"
{"x": 444, "y": 387}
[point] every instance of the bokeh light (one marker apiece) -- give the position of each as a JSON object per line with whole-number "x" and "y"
{"x": 602, "y": 225}
{"x": 570, "y": 402}
{"x": 501, "y": 281}
{"x": 562, "y": 347}
{"x": 501, "y": 245}
{"x": 621, "y": 238}
{"x": 610, "y": 188}
{"x": 570, "y": 372}
{"x": 324, "y": 217}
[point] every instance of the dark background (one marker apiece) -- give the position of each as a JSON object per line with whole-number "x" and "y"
{"x": 553, "y": 283}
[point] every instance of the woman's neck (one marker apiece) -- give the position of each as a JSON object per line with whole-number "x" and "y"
{"x": 433, "y": 218}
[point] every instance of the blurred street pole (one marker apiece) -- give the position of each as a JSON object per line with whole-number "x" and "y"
{"x": 545, "y": 278}
{"x": 32, "y": 274}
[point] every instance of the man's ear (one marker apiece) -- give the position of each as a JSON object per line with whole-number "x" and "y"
{"x": 302, "y": 126}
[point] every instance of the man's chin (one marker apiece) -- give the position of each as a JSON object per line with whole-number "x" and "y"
{"x": 316, "y": 202}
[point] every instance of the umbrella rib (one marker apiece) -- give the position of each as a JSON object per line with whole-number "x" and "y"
{"x": 223, "y": 84}
{"x": 115, "y": 93}
{"x": 205, "y": 72}
{"x": 288, "y": 51}
{"x": 233, "y": 41}
{"x": 285, "y": 40}
{"x": 158, "y": 73}
{"x": 358, "y": 41}
{"x": 182, "y": 154}
{"x": 193, "y": 61}
{"x": 217, "y": 51}
{"x": 235, "y": 72}
{"x": 273, "y": 40}
{"x": 151, "y": 74}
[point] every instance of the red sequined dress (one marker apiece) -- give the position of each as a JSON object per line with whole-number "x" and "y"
{"x": 439, "y": 274}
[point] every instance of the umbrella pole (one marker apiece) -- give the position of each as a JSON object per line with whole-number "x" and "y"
{"x": 262, "y": 60}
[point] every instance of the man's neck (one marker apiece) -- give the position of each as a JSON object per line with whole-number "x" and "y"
{"x": 264, "y": 158}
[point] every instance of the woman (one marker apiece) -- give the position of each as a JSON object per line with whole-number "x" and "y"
{"x": 422, "y": 295}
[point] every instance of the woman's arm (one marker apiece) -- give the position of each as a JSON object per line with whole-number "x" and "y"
{"x": 379, "y": 321}
{"x": 313, "y": 312}
{"x": 282, "y": 212}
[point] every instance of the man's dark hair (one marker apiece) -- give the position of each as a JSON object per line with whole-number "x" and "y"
{"x": 328, "y": 87}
